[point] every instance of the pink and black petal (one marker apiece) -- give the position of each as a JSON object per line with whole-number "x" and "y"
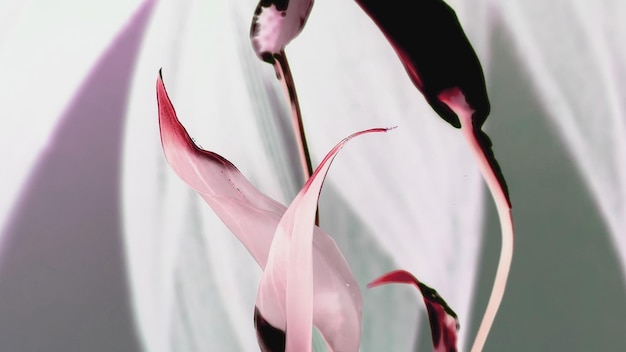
{"x": 437, "y": 56}
{"x": 476, "y": 140}
{"x": 428, "y": 38}
{"x": 275, "y": 23}
{"x": 434, "y": 49}
{"x": 444, "y": 324}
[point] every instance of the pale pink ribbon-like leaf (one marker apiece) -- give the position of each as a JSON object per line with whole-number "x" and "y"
{"x": 253, "y": 217}
{"x": 437, "y": 56}
{"x": 286, "y": 289}
{"x": 276, "y": 23}
{"x": 444, "y": 324}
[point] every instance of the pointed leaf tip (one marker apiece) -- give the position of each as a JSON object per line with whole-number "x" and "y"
{"x": 444, "y": 324}
{"x": 253, "y": 218}
{"x": 285, "y": 295}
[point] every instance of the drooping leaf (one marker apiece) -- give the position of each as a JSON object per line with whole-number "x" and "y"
{"x": 253, "y": 217}
{"x": 437, "y": 56}
{"x": 444, "y": 324}
{"x": 434, "y": 50}
{"x": 442, "y": 64}
{"x": 275, "y": 24}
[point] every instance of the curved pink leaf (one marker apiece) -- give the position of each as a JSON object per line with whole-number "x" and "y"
{"x": 275, "y": 24}
{"x": 253, "y": 217}
{"x": 444, "y": 324}
{"x": 286, "y": 289}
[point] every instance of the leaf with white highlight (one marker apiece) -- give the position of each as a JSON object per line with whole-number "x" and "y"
{"x": 285, "y": 299}
{"x": 444, "y": 324}
{"x": 253, "y": 218}
{"x": 276, "y": 23}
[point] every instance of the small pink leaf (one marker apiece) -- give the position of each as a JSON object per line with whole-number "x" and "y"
{"x": 444, "y": 324}
{"x": 275, "y": 24}
{"x": 253, "y": 217}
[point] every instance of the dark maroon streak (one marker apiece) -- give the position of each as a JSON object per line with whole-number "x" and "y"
{"x": 214, "y": 157}
{"x": 281, "y": 5}
{"x": 439, "y": 313}
{"x": 437, "y": 55}
{"x": 293, "y": 100}
{"x": 486, "y": 146}
{"x": 433, "y": 298}
{"x": 438, "y": 309}
{"x": 270, "y": 338}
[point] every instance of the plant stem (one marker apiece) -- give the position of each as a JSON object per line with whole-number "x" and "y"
{"x": 456, "y": 101}
{"x": 283, "y": 73}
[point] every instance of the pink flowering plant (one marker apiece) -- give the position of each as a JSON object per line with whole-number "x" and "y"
{"x": 306, "y": 280}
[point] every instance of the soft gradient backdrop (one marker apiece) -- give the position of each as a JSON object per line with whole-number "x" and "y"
{"x": 103, "y": 248}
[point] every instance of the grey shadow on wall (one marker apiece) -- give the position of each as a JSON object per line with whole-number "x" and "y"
{"x": 63, "y": 284}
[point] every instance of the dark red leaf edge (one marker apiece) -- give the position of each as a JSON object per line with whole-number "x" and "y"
{"x": 252, "y": 217}
{"x": 439, "y": 59}
{"x": 444, "y": 323}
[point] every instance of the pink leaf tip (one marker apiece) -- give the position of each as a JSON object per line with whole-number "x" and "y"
{"x": 444, "y": 324}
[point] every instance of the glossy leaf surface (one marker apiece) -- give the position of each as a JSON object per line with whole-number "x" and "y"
{"x": 434, "y": 50}
{"x": 253, "y": 217}
{"x": 286, "y": 292}
{"x": 276, "y": 23}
